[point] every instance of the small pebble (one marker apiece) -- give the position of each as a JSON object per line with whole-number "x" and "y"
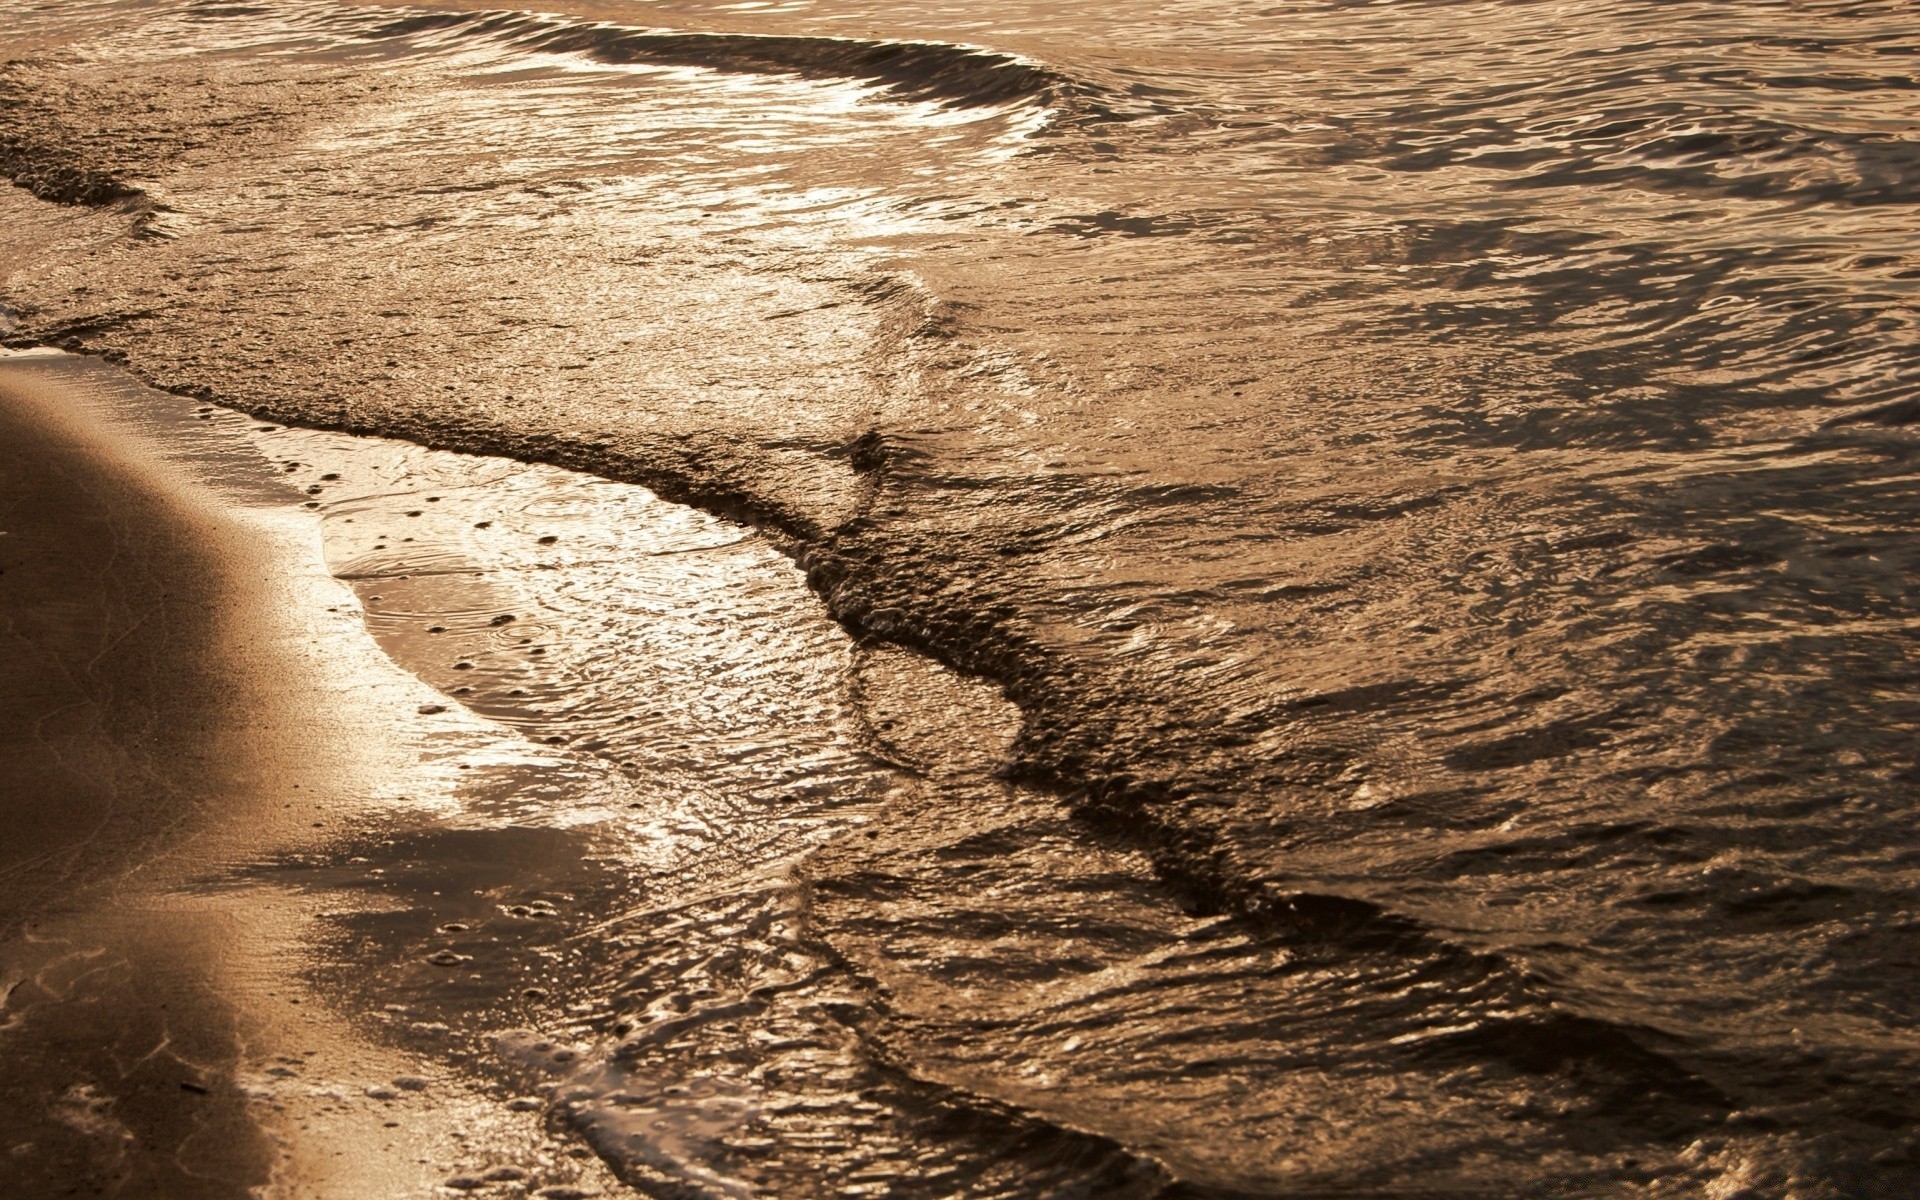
{"x": 427, "y": 710}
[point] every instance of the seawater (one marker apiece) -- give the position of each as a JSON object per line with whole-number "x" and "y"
{"x": 1434, "y": 479}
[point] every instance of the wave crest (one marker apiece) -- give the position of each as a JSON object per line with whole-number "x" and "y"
{"x": 954, "y": 75}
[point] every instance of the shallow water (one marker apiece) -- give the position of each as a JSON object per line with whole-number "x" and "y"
{"x": 1434, "y": 479}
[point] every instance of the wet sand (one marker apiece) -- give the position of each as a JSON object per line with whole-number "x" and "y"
{"x": 188, "y": 702}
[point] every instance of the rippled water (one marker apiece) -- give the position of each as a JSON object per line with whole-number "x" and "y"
{"x": 1435, "y": 478}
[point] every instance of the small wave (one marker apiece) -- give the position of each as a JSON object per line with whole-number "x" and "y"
{"x": 1614, "y": 1061}
{"x": 955, "y": 75}
{"x": 54, "y": 175}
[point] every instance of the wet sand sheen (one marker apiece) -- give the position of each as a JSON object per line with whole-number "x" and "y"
{"x": 189, "y": 695}
{"x": 93, "y": 743}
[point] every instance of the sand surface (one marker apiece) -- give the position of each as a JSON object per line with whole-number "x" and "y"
{"x": 189, "y": 703}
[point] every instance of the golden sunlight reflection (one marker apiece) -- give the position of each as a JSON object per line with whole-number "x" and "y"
{"x": 592, "y": 615}
{"x": 1230, "y": 597}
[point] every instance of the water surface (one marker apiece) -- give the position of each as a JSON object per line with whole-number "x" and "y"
{"x": 1435, "y": 480}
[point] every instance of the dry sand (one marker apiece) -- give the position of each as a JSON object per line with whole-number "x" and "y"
{"x": 186, "y": 697}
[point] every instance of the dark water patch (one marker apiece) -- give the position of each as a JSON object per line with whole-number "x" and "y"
{"x": 1550, "y": 741}
{"x": 1688, "y": 150}
{"x": 1628, "y": 1079}
{"x": 1130, "y": 225}
{"x": 52, "y": 174}
{"x": 36, "y": 156}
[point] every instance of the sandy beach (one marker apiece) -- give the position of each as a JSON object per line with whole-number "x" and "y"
{"x": 191, "y": 704}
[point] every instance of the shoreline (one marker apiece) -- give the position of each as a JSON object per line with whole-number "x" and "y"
{"x": 1422, "y": 500}
{"x": 345, "y": 1002}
